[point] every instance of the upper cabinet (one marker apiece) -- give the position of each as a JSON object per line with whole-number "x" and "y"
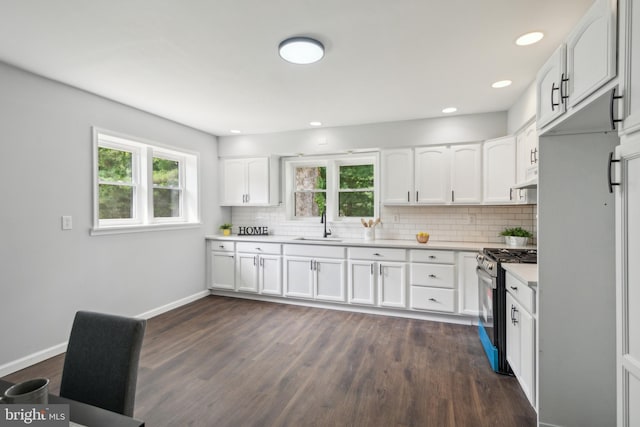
{"x": 249, "y": 181}
{"x": 499, "y": 166}
{"x": 581, "y": 66}
{"x": 432, "y": 175}
{"x": 527, "y": 154}
{"x": 629, "y": 65}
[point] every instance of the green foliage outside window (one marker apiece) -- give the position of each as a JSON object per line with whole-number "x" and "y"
{"x": 355, "y": 196}
{"x": 115, "y": 197}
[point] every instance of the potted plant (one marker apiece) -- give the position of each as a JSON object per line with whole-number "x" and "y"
{"x": 516, "y": 236}
{"x": 226, "y": 229}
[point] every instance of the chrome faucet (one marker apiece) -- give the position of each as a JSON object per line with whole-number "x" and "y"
{"x": 323, "y": 220}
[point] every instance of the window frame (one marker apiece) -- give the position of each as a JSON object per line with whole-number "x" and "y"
{"x": 142, "y": 173}
{"x": 332, "y": 163}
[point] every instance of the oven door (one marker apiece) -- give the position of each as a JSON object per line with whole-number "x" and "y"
{"x": 486, "y": 329}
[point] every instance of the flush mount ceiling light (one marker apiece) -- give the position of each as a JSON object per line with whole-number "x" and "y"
{"x": 529, "y": 38}
{"x": 301, "y": 50}
{"x": 315, "y": 123}
{"x": 235, "y": 131}
{"x": 501, "y": 84}
{"x": 449, "y": 110}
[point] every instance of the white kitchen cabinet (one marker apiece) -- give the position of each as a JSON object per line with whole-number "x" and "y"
{"x": 249, "y": 181}
{"x": 397, "y": 176}
{"x": 629, "y": 65}
{"x": 392, "y": 284}
{"x": 432, "y": 284}
{"x": 221, "y": 265}
{"x": 298, "y": 277}
{"x": 246, "y": 272}
{"x": 499, "y": 170}
{"x": 521, "y": 336}
{"x": 321, "y": 277}
{"x": 466, "y": 174}
{"x": 527, "y": 154}
{"x": 548, "y": 80}
{"x": 258, "y": 268}
{"x": 381, "y": 269}
{"x": 467, "y": 283}
{"x": 628, "y": 280}
{"x": 362, "y": 282}
{"x": 329, "y": 279}
{"x": 432, "y": 175}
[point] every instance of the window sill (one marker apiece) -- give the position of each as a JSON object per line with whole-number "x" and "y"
{"x": 124, "y": 229}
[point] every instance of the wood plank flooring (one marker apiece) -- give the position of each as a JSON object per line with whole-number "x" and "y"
{"x": 231, "y": 362}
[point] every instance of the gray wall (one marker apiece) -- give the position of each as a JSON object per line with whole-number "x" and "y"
{"x": 523, "y": 111}
{"x": 46, "y": 274}
{"x": 463, "y": 128}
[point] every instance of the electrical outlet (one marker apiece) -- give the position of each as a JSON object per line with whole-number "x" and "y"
{"x": 67, "y": 222}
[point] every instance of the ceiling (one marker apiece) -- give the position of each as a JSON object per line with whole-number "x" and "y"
{"x": 213, "y": 64}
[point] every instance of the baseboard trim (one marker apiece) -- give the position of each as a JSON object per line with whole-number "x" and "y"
{"x": 39, "y": 356}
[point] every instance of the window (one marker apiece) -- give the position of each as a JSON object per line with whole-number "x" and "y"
{"x": 140, "y": 185}
{"x": 343, "y": 185}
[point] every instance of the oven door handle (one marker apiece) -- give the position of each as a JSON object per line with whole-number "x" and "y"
{"x": 486, "y": 277}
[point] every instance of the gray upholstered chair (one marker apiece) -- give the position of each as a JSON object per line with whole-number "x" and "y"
{"x": 101, "y": 364}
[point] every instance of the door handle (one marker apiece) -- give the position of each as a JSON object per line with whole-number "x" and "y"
{"x": 609, "y": 170}
{"x": 553, "y": 89}
{"x": 611, "y": 116}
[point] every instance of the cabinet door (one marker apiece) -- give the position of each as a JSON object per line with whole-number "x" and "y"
{"x": 628, "y": 280}
{"x": 499, "y": 170}
{"x": 513, "y": 334}
{"x": 222, "y": 271}
{"x": 329, "y": 279}
{"x": 397, "y": 176}
{"x": 298, "y": 279}
{"x": 527, "y": 355}
{"x": 548, "y": 80}
{"x": 527, "y": 154}
{"x": 630, "y": 64}
{"x": 270, "y": 274}
{"x": 591, "y": 52}
{"x": 362, "y": 280}
{"x": 466, "y": 173}
{"x": 246, "y": 272}
{"x": 432, "y": 175}
{"x": 233, "y": 181}
{"x": 467, "y": 284}
{"x": 392, "y": 284}
{"x": 257, "y": 181}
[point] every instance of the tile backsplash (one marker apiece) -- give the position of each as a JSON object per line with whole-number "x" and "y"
{"x": 443, "y": 223}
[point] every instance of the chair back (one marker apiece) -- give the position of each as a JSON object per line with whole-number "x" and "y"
{"x": 101, "y": 363}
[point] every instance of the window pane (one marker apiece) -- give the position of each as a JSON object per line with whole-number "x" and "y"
{"x": 310, "y": 204}
{"x": 166, "y": 203}
{"x": 311, "y": 178}
{"x": 114, "y": 165}
{"x": 354, "y": 177}
{"x": 115, "y": 201}
{"x": 166, "y": 172}
{"x": 357, "y": 204}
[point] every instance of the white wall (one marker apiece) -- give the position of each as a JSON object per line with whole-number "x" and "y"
{"x": 523, "y": 111}
{"x": 46, "y": 274}
{"x": 443, "y": 130}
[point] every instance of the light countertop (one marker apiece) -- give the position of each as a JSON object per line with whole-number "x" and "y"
{"x": 526, "y": 273}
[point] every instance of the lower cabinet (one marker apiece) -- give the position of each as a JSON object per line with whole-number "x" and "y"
{"x": 377, "y": 276}
{"x": 432, "y": 282}
{"x": 392, "y": 284}
{"x": 315, "y": 277}
{"x": 521, "y": 335}
{"x": 221, "y": 265}
{"x": 467, "y": 283}
{"x": 258, "y": 268}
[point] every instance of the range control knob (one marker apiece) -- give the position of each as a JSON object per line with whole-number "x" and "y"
{"x": 490, "y": 267}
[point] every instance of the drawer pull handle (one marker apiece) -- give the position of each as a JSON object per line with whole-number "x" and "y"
{"x": 432, "y": 257}
{"x": 377, "y": 254}
{"x": 433, "y": 300}
{"x": 432, "y": 276}
{"x": 515, "y": 288}
{"x": 258, "y": 249}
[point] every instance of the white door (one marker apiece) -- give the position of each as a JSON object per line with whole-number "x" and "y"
{"x": 270, "y": 274}
{"x": 499, "y": 170}
{"x": 298, "y": 277}
{"x": 246, "y": 272}
{"x": 329, "y": 280}
{"x": 630, "y": 63}
{"x": 397, "y": 176}
{"x": 233, "y": 181}
{"x": 548, "y": 81}
{"x": 392, "y": 284}
{"x": 222, "y": 270}
{"x": 591, "y": 52}
{"x": 467, "y": 284}
{"x": 513, "y": 334}
{"x": 628, "y": 282}
{"x": 362, "y": 281}
{"x": 257, "y": 181}
{"x": 432, "y": 175}
{"x": 466, "y": 173}
{"x": 527, "y": 154}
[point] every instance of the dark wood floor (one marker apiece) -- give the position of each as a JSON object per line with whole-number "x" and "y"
{"x": 232, "y": 362}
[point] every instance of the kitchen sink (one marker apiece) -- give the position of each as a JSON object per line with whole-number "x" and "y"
{"x": 319, "y": 239}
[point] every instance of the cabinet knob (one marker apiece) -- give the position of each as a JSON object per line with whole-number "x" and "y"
{"x": 377, "y": 254}
{"x": 432, "y": 257}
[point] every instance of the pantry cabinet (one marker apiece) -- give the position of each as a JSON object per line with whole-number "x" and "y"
{"x": 249, "y": 181}
{"x": 629, "y": 65}
{"x": 499, "y": 170}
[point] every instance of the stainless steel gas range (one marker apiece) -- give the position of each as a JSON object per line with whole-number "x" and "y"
{"x": 492, "y": 300}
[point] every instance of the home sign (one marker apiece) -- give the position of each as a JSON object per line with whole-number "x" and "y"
{"x": 253, "y": 231}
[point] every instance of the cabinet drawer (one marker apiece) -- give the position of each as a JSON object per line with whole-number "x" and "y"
{"x": 259, "y": 247}
{"x": 222, "y": 246}
{"x": 314, "y": 251}
{"x": 434, "y": 299}
{"x": 437, "y": 257}
{"x": 376, "y": 254}
{"x": 434, "y": 275}
{"x": 521, "y": 293}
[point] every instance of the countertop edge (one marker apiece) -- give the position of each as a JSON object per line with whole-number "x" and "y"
{"x": 526, "y": 273}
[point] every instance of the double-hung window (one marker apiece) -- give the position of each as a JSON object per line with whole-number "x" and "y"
{"x": 142, "y": 185}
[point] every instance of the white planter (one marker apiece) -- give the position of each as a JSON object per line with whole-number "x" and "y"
{"x": 515, "y": 241}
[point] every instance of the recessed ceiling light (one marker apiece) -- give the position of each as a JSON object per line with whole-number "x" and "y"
{"x": 501, "y": 84}
{"x": 449, "y": 110}
{"x": 301, "y": 50}
{"x": 315, "y": 123}
{"x": 235, "y": 131}
{"x": 529, "y": 38}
